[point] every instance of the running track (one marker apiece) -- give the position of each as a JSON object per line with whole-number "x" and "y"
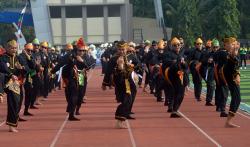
{"x": 200, "y": 125}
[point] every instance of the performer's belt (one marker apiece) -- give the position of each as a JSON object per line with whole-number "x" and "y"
{"x": 13, "y": 86}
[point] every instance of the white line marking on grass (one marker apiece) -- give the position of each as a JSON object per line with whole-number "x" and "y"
{"x": 64, "y": 123}
{"x": 131, "y": 134}
{"x": 200, "y": 130}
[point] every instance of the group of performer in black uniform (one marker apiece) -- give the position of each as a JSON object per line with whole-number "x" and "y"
{"x": 35, "y": 71}
{"x": 166, "y": 65}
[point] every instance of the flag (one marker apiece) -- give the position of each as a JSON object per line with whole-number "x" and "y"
{"x": 20, "y": 20}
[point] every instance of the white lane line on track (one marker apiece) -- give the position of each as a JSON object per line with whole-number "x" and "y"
{"x": 65, "y": 121}
{"x": 2, "y": 123}
{"x": 132, "y": 139}
{"x": 246, "y": 115}
{"x": 59, "y": 132}
{"x": 200, "y": 130}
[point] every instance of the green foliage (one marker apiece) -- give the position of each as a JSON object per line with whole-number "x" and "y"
{"x": 7, "y": 30}
{"x": 202, "y": 18}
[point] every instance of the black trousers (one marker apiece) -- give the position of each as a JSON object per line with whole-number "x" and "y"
{"x": 122, "y": 111}
{"x": 104, "y": 66}
{"x": 178, "y": 92}
{"x": 36, "y": 88}
{"x": 13, "y": 103}
{"x": 197, "y": 83}
{"x": 20, "y": 98}
{"x": 30, "y": 97}
{"x": 45, "y": 91}
{"x": 243, "y": 59}
{"x": 71, "y": 93}
{"x": 153, "y": 78}
{"x": 210, "y": 91}
{"x": 133, "y": 95}
{"x": 221, "y": 94}
{"x": 140, "y": 78}
{"x": 160, "y": 83}
{"x": 168, "y": 90}
{"x": 2, "y": 83}
{"x": 235, "y": 96}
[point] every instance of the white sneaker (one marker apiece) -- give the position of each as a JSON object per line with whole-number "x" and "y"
{"x": 245, "y": 67}
{"x": 240, "y": 67}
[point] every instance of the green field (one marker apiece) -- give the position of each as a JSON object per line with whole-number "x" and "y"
{"x": 244, "y": 85}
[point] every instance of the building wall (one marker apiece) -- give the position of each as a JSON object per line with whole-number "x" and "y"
{"x": 97, "y": 21}
{"x": 41, "y": 20}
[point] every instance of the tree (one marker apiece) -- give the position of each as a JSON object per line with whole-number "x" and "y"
{"x": 227, "y": 19}
{"x": 7, "y": 30}
{"x": 143, "y": 8}
{"x": 188, "y": 21}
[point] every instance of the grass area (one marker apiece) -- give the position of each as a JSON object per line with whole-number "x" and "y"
{"x": 245, "y": 85}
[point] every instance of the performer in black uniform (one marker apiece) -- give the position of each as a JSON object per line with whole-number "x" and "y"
{"x": 121, "y": 69}
{"x": 71, "y": 61}
{"x": 27, "y": 61}
{"x": 10, "y": 66}
{"x": 174, "y": 66}
{"x": 194, "y": 64}
{"x": 232, "y": 77}
{"x": 207, "y": 70}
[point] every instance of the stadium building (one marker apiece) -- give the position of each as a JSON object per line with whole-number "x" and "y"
{"x": 98, "y": 21}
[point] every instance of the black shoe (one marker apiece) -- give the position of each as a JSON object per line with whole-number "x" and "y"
{"x": 170, "y": 110}
{"x": 160, "y": 100}
{"x": 131, "y": 113}
{"x": 209, "y": 104}
{"x": 26, "y": 113}
{"x": 175, "y": 115}
{"x": 77, "y": 113}
{"x": 198, "y": 99}
{"x": 130, "y": 117}
{"x": 33, "y": 107}
{"x": 73, "y": 119}
{"x": 223, "y": 114}
{"x": 20, "y": 119}
{"x": 218, "y": 109}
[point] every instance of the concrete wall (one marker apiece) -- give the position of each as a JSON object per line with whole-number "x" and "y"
{"x": 149, "y": 27}
{"x": 41, "y": 19}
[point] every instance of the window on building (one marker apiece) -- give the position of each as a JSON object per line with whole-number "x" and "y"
{"x": 73, "y": 12}
{"x": 95, "y": 11}
{"x": 55, "y": 11}
{"x": 114, "y": 11}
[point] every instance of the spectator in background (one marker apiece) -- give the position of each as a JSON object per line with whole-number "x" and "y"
{"x": 2, "y": 51}
{"x": 243, "y": 53}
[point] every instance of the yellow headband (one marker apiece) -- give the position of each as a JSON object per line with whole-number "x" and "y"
{"x": 229, "y": 40}
{"x": 199, "y": 40}
{"x": 44, "y": 44}
{"x": 29, "y": 46}
{"x": 175, "y": 41}
{"x": 12, "y": 43}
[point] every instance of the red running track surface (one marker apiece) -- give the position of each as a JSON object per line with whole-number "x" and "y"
{"x": 200, "y": 126}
